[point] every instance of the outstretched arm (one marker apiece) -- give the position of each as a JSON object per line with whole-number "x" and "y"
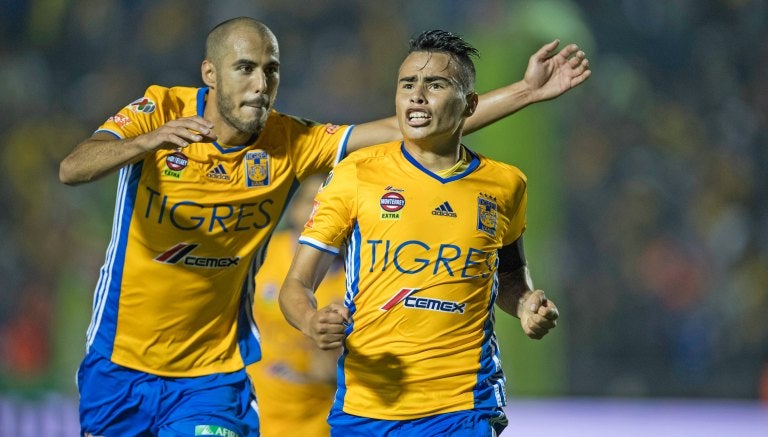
{"x": 548, "y": 75}
{"x": 102, "y": 153}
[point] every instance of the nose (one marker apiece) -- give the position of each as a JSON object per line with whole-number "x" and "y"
{"x": 260, "y": 81}
{"x": 417, "y": 95}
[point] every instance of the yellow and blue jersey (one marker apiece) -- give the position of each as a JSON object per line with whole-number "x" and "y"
{"x": 421, "y": 253}
{"x": 292, "y": 398}
{"x": 191, "y": 227}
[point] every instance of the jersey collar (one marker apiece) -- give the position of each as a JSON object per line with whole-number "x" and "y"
{"x": 201, "y": 93}
{"x": 475, "y": 161}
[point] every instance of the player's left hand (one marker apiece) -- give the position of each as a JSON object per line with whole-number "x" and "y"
{"x": 550, "y": 74}
{"x": 538, "y": 315}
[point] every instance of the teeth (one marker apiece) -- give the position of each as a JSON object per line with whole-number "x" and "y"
{"x": 418, "y": 115}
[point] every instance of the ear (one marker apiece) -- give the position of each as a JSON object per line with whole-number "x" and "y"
{"x": 208, "y": 71}
{"x": 472, "y": 100}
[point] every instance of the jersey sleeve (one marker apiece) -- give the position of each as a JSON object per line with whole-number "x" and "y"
{"x": 315, "y": 147}
{"x": 143, "y": 115}
{"x": 334, "y": 210}
{"x": 517, "y": 208}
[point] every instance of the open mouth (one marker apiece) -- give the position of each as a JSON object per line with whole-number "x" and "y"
{"x": 417, "y": 117}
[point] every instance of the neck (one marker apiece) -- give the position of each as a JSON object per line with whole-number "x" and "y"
{"x": 228, "y": 135}
{"x": 434, "y": 157}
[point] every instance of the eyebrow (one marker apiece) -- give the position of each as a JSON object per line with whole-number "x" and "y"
{"x": 428, "y": 79}
{"x": 250, "y": 62}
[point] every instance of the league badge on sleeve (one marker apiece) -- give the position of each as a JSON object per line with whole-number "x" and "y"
{"x": 256, "y": 169}
{"x": 144, "y": 105}
{"x": 487, "y": 214}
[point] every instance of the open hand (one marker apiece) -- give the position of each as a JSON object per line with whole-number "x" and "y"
{"x": 550, "y": 74}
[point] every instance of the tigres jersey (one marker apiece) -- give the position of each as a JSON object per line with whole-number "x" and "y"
{"x": 291, "y": 400}
{"x": 174, "y": 295}
{"x": 421, "y": 259}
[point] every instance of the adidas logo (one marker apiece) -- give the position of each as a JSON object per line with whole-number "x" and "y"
{"x": 444, "y": 209}
{"x": 218, "y": 172}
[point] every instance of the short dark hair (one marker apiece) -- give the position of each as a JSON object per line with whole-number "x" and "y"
{"x": 442, "y": 41}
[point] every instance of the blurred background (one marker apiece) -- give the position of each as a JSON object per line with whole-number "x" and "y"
{"x": 647, "y": 222}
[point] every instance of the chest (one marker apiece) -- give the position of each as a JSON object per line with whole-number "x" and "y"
{"x": 468, "y": 212}
{"x": 197, "y": 189}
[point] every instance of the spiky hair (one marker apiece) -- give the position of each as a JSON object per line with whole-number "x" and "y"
{"x": 441, "y": 41}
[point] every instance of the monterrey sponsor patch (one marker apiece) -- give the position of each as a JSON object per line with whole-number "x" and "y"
{"x": 174, "y": 164}
{"x": 391, "y": 204}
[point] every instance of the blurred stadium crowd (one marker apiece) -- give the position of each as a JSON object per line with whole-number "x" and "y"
{"x": 662, "y": 258}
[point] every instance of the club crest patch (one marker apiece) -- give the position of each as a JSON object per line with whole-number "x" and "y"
{"x": 487, "y": 214}
{"x": 256, "y": 169}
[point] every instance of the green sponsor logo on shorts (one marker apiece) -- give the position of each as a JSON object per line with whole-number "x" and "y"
{"x": 214, "y": 430}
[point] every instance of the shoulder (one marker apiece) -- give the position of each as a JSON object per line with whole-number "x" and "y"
{"x": 374, "y": 153}
{"x": 298, "y": 125}
{"x": 174, "y": 98}
{"x": 292, "y": 120}
{"x": 295, "y": 126}
{"x": 505, "y": 172}
{"x": 172, "y": 93}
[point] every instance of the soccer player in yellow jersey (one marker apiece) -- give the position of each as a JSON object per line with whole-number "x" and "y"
{"x": 294, "y": 380}
{"x": 433, "y": 240}
{"x": 204, "y": 175}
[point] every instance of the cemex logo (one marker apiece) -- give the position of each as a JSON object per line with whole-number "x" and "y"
{"x": 406, "y": 295}
{"x": 180, "y": 253}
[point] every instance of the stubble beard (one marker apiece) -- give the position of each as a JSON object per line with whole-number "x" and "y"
{"x": 227, "y": 110}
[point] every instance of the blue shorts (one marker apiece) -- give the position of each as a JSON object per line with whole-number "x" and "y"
{"x": 485, "y": 422}
{"x": 117, "y": 401}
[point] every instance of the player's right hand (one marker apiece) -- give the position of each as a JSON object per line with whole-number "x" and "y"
{"x": 180, "y": 133}
{"x": 327, "y": 325}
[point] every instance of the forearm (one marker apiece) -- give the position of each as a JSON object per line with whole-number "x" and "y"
{"x": 514, "y": 288}
{"x": 298, "y": 303}
{"x": 499, "y": 103}
{"x": 95, "y": 158}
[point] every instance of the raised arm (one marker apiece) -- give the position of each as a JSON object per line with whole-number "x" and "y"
{"x": 102, "y": 153}
{"x": 297, "y": 299}
{"x": 549, "y": 74}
